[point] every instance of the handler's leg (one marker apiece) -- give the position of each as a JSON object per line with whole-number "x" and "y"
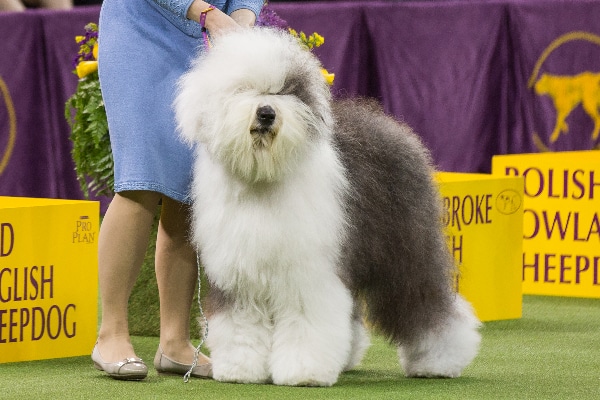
{"x": 122, "y": 244}
{"x": 176, "y": 274}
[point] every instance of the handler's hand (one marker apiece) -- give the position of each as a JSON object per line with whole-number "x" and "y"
{"x": 217, "y": 22}
{"x": 245, "y": 18}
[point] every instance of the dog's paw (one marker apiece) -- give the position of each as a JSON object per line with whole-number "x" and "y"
{"x": 304, "y": 369}
{"x": 240, "y": 364}
{"x": 240, "y": 372}
{"x": 284, "y": 379}
{"x": 239, "y": 348}
{"x": 307, "y": 383}
{"x": 241, "y": 377}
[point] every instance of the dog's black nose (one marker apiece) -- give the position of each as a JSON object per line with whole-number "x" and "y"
{"x": 265, "y": 116}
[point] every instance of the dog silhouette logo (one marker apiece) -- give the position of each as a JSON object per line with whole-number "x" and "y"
{"x": 7, "y": 141}
{"x": 568, "y": 92}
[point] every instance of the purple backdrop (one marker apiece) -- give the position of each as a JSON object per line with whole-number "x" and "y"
{"x": 36, "y": 49}
{"x": 473, "y": 78}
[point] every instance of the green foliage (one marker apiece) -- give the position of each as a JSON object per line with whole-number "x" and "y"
{"x": 89, "y": 133}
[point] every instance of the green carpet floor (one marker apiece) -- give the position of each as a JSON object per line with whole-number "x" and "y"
{"x": 553, "y": 352}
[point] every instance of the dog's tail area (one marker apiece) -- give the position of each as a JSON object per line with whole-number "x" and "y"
{"x": 445, "y": 350}
{"x": 436, "y": 334}
{"x": 435, "y": 330}
{"x": 396, "y": 257}
{"x": 409, "y": 298}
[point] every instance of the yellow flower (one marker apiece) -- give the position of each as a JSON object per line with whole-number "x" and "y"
{"x": 95, "y": 50}
{"x": 328, "y": 76}
{"x": 85, "y": 68}
{"x": 79, "y": 38}
{"x": 319, "y": 40}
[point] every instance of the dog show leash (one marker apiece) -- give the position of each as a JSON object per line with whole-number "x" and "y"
{"x": 202, "y": 322}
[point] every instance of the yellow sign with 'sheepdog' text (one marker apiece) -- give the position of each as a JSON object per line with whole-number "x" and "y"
{"x": 561, "y": 228}
{"x": 48, "y": 278}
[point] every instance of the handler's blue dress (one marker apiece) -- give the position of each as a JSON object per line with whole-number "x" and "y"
{"x": 144, "y": 47}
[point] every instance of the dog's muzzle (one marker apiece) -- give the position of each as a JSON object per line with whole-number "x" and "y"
{"x": 264, "y": 128}
{"x": 265, "y": 117}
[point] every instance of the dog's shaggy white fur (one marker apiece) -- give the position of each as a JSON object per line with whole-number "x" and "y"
{"x": 309, "y": 213}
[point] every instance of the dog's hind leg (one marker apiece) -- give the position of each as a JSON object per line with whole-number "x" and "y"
{"x": 239, "y": 342}
{"x": 311, "y": 341}
{"x": 447, "y": 348}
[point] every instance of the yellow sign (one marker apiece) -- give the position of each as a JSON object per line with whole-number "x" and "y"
{"x": 48, "y": 278}
{"x": 483, "y": 216}
{"x": 561, "y": 229}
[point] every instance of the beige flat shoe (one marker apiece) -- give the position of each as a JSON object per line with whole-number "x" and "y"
{"x": 129, "y": 369}
{"x": 164, "y": 365}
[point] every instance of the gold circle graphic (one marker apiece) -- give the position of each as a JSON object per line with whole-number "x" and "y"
{"x": 508, "y": 202}
{"x": 556, "y": 43}
{"x": 12, "y": 125}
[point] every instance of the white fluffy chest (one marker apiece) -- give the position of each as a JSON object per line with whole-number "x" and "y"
{"x": 251, "y": 236}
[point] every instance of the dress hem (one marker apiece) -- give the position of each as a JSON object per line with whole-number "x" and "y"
{"x": 153, "y": 187}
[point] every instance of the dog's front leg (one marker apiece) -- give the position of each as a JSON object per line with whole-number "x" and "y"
{"x": 239, "y": 341}
{"x": 312, "y": 335}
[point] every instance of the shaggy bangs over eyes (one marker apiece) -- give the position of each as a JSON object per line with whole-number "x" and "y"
{"x": 297, "y": 85}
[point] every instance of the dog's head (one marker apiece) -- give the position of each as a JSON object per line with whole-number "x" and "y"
{"x": 257, "y": 101}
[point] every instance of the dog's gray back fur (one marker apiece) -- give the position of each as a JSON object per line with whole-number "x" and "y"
{"x": 395, "y": 256}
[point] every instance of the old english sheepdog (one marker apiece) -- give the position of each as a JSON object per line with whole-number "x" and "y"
{"x": 313, "y": 217}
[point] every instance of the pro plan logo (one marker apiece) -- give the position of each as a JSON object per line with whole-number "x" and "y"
{"x": 84, "y": 231}
{"x": 569, "y": 92}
